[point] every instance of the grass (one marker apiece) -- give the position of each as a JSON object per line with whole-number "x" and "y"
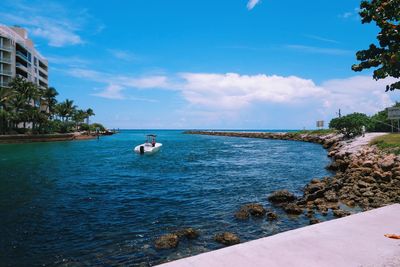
{"x": 388, "y": 143}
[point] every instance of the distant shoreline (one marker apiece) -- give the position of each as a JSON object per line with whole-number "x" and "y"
{"x": 23, "y": 138}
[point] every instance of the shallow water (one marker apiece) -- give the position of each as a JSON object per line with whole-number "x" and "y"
{"x": 97, "y": 203}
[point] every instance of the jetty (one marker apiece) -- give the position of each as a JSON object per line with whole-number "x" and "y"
{"x": 356, "y": 240}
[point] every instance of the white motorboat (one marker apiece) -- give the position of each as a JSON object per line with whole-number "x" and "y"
{"x": 151, "y": 146}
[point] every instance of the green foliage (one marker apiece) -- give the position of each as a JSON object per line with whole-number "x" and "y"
{"x": 350, "y": 125}
{"x": 97, "y": 125}
{"x": 379, "y": 122}
{"x": 317, "y": 132}
{"x": 386, "y": 56}
{"x": 84, "y": 127}
{"x": 23, "y": 103}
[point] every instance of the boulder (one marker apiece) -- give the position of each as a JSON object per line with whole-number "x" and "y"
{"x": 271, "y": 216}
{"x": 293, "y": 209}
{"x": 387, "y": 162}
{"x": 340, "y": 213}
{"x": 330, "y": 196}
{"x": 254, "y": 209}
{"x": 242, "y": 214}
{"x": 189, "y": 233}
{"x": 226, "y": 238}
{"x": 281, "y": 196}
{"x": 314, "y": 221}
{"x": 167, "y": 241}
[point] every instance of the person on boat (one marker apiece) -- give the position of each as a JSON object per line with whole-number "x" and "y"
{"x": 153, "y": 142}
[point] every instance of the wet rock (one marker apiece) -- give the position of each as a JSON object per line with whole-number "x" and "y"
{"x": 254, "y": 209}
{"x": 272, "y": 216}
{"x": 167, "y": 241}
{"x": 242, "y": 214}
{"x": 314, "y": 221}
{"x": 228, "y": 239}
{"x": 293, "y": 209}
{"x": 340, "y": 213}
{"x": 281, "y": 196}
{"x": 189, "y": 233}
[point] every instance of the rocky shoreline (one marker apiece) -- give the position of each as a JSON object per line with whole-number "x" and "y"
{"x": 25, "y": 138}
{"x": 364, "y": 178}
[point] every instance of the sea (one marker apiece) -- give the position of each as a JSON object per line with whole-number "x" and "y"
{"x": 97, "y": 203}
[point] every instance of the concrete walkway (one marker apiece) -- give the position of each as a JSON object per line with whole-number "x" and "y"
{"x": 356, "y": 240}
{"x": 354, "y": 145}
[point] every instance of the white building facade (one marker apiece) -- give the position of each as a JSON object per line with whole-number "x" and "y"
{"x": 19, "y": 58}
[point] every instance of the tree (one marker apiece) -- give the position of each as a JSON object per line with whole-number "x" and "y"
{"x": 386, "y": 56}
{"x": 350, "y": 125}
{"x": 49, "y": 96}
{"x": 89, "y": 113}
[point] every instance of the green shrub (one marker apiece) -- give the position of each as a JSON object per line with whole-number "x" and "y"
{"x": 350, "y": 125}
{"x": 97, "y": 125}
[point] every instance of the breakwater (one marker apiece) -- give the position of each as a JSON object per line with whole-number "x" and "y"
{"x": 364, "y": 178}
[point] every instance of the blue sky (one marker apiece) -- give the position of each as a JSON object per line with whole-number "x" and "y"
{"x": 230, "y": 64}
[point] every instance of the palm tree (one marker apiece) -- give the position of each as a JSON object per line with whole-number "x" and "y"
{"x": 49, "y": 96}
{"x": 89, "y": 113}
{"x": 78, "y": 117}
{"x": 5, "y": 96}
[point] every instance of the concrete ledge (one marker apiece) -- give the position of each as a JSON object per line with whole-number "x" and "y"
{"x": 356, "y": 240}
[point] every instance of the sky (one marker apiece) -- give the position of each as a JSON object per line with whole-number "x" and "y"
{"x": 225, "y": 64}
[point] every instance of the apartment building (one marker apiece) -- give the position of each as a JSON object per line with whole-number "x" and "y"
{"x": 19, "y": 58}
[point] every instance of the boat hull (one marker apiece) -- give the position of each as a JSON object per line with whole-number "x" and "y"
{"x": 148, "y": 148}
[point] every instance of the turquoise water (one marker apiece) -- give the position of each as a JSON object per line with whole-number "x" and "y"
{"x": 97, "y": 203}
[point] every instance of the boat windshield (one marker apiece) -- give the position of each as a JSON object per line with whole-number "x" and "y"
{"x": 151, "y": 138}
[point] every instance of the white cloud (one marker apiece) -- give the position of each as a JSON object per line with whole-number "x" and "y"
{"x": 323, "y": 39}
{"x": 357, "y": 94}
{"x": 252, "y": 3}
{"x": 234, "y": 91}
{"x": 123, "y": 55}
{"x": 231, "y": 92}
{"x": 319, "y": 50}
{"x": 112, "y": 91}
{"x": 49, "y": 21}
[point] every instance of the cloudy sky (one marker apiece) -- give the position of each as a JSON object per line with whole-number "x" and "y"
{"x": 226, "y": 64}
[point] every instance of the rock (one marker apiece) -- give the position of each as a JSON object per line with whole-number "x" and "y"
{"x": 189, "y": 233}
{"x": 340, "y": 213}
{"x": 167, "y": 241}
{"x": 228, "y": 239}
{"x": 368, "y": 164}
{"x": 271, "y": 216}
{"x": 368, "y": 179}
{"x": 254, "y": 209}
{"x": 387, "y": 163}
{"x": 281, "y": 196}
{"x": 314, "y": 221}
{"x": 293, "y": 209}
{"x": 386, "y": 176}
{"x": 330, "y": 196}
{"x": 242, "y": 214}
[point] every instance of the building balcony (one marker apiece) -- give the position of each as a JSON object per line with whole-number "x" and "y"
{"x": 21, "y": 66}
{"x": 5, "y": 60}
{"x": 6, "y": 72}
{"x": 44, "y": 70}
{"x": 7, "y": 48}
{"x": 22, "y": 56}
